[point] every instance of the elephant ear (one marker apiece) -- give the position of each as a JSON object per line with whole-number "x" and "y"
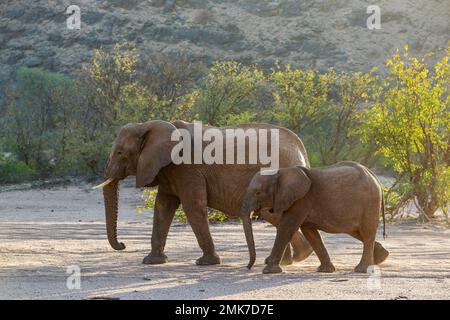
{"x": 181, "y": 124}
{"x": 292, "y": 184}
{"x": 156, "y": 148}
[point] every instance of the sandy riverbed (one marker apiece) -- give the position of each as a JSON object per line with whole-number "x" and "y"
{"x": 43, "y": 231}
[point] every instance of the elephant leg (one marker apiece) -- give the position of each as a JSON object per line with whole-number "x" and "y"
{"x": 198, "y": 219}
{"x": 287, "y": 257}
{"x": 165, "y": 207}
{"x": 301, "y": 247}
{"x": 316, "y": 242}
{"x": 379, "y": 253}
{"x": 288, "y": 225}
{"x": 368, "y": 239}
{"x": 197, "y": 216}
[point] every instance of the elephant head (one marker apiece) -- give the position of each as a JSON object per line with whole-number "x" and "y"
{"x": 275, "y": 193}
{"x": 141, "y": 150}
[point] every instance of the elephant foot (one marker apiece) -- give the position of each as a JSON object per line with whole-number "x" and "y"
{"x": 155, "y": 259}
{"x": 361, "y": 268}
{"x": 379, "y": 254}
{"x": 272, "y": 268}
{"x": 207, "y": 260}
{"x": 327, "y": 268}
{"x": 301, "y": 247}
{"x": 302, "y": 251}
{"x": 287, "y": 260}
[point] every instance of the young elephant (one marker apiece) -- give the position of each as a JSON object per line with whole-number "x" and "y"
{"x": 344, "y": 198}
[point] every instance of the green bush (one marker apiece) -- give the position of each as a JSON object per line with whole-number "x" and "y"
{"x": 229, "y": 93}
{"x": 36, "y": 125}
{"x": 15, "y": 172}
{"x": 410, "y": 125}
{"x": 300, "y": 97}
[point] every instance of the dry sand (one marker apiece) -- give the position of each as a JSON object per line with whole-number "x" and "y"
{"x": 43, "y": 231}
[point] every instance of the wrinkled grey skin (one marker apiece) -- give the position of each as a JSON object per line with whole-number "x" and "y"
{"x": 144, "y": 150}
{"x": 344, "y": 198}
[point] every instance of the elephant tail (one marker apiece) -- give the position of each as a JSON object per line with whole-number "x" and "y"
{"x": 382, "y": 212}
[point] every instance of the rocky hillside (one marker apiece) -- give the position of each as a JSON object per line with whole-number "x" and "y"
{"x": 314, "y": 33}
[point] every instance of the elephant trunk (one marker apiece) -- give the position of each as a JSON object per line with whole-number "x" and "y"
{"x": 111, "y": 195}
{"x": 247, "y": 223}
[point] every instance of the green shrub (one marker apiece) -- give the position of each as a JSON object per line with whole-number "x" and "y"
{"x": 410, "y": 125}
{"x": 15, "y": 172}
{"x": 36, "y": 123}
{"x": 300, "y": 97}
{"x": 229, "y": 90}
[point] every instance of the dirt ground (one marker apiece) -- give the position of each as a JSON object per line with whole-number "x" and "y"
{"x": 45, "y": 231}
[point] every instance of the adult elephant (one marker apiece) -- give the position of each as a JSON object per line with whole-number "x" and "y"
{"x": 144, "y": 150}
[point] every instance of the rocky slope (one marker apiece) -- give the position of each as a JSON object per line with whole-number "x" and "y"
{"x": 313, "y": 33}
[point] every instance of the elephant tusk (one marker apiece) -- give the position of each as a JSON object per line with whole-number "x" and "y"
{"x": 101, "y": 185}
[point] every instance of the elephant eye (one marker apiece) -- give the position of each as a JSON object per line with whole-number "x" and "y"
{"x": 119, "y": 153}
{"x": 258, "y": 193}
